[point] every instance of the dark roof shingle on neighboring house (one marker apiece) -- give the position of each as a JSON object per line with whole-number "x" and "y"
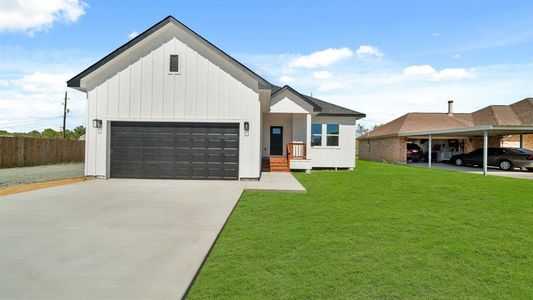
{"x": 516, "y": 114}
{"x": 324, "y": 108}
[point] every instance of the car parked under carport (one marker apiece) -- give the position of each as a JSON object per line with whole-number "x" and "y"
{"x": 506, "y": 159}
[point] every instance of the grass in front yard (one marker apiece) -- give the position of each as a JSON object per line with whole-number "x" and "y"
{"x": 380, "y": 231}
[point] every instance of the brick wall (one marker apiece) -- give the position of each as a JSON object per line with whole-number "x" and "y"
{"x": 527, "y": 140}
{"x": 393, "y": 149}
{"x": 472, "y": 144}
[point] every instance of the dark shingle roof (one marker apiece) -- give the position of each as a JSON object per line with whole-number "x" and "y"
{"x": 324, "y": 108}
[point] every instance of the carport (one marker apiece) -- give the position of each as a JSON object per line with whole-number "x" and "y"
{"x": 467, "y": 132}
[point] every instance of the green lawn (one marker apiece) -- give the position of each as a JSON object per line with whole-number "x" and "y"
{"x": 381, "y": 231}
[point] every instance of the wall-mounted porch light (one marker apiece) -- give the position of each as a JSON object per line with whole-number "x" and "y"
{"x": 97, "y": 123}
{"x": 246, "y": 128}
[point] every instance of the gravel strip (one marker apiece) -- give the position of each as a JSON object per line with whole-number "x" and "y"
{"x": 12, "y": 176}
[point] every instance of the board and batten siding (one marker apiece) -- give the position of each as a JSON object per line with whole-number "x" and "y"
{"x": 145, "y": 90}
{"x": 342, "y": 156}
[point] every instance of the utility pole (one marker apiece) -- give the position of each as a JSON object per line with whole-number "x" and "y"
{"x": 65, "y": 111}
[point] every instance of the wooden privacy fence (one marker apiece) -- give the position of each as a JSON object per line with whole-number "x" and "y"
{"x": 25, "y": 151}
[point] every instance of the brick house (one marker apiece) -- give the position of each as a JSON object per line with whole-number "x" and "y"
{"x": 510, "y": 126}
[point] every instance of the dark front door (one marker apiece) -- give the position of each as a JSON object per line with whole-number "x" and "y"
{"x": 175, "y": 150}
{"x": 276, "y": 140}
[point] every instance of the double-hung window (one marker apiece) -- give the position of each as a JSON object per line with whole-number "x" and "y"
{"x": 316, "y": 135}
{"x": 332, "y": 135}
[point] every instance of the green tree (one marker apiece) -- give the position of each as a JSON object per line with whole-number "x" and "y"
{"x": 49, "y": 133}
{"x": 360, "y": 130}
{"x": 78, "y": 131}
{"x": 34, "y": 133}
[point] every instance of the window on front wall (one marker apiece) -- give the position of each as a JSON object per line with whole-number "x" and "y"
{"x": 316, "y": 135}
{"x": 332, "y": 135}
{"x": 174, "y": 65}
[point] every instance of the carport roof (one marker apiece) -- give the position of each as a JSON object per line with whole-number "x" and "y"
{"x": 474, "y": 131}
{"x": 516, "y": 115}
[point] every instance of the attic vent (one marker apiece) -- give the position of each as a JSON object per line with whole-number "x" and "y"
{"x": 174, "y": 63}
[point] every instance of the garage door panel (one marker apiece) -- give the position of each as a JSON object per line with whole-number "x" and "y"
{"x": 215, "y": 157}
{"x": 198, "y": 157}
{"x": 215, "y": 143}
{"x": 229, "y": 173}
{"x": 198, "y": 172}
{"x": 215, "y": 131}
{"x": 174, "y": 150}
{"x": 199, "y": 143}
{"x": 231, "y": 158}
{"x": 182, "y": 157}
{"x": 181, "y": 142}
{"x": 231, "y": 144}
{"x": 198, "y": 130}
{"x": 231, "y": 130}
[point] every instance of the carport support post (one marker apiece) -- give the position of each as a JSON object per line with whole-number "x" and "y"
{"x": 485, "y": 151}
{"x": 429, "y": 152}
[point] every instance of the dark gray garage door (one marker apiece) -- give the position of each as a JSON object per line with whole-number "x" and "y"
{"x": 175, "y": 150}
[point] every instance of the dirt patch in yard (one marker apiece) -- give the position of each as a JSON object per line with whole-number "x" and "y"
{"x": 39, "y": 185}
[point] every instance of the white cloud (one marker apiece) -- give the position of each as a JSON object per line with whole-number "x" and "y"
{"x": 38, "y": 15}
{"x": 368, "y": 51}
{"x": 453, "y": 73}
{"x": 321, "y": 58}
{"x": 457, "y": 56}
{"x": 133, "y": 34}
{"x": 286, "y": 79}
{"x": 383, "y": 91}
{"x": 33, "y": 101}
{"x": 322, "y": 75}
{"x": 39, "y": 82}
{"x": 428, "y": 72}
{"x": 419, "y": 70}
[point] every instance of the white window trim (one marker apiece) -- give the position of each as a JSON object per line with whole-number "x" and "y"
{"x": 321, "y": 135}
{"x": 324, "y": 136}
{"x": 338, "y": 135}
{"x": 179, "y": 64}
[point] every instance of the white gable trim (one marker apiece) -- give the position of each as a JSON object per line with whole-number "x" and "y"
{"x": 288, "y": 102}
{"x": 164, "y": 34}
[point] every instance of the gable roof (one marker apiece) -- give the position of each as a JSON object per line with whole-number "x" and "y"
{"x": 516, "y": 114}
{"x": 75, "y": 81}
{"x": 322, "y": 107}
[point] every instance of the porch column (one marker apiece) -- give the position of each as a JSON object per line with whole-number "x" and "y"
{"x": 521, "y": 141}
{"x": 307, "y": 135}
{"x": 429, "y": 152}
{"x": 485, "y": 151}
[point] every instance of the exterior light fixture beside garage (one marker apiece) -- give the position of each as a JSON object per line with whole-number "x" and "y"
{"x": 97, "y": 123}
{"x": 246, "y": 128}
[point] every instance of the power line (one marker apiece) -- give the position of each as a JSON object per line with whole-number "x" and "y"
{"x": 30, "y": 122}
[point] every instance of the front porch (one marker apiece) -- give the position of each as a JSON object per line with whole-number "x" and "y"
{"x": 286, "y": 139}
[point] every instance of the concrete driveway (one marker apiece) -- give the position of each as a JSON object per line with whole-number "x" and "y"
{"x": 491, "y": 170}
{"x": 110, "y": 239}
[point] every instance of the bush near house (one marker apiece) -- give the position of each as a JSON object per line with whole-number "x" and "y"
{"x": 380, "y": 231}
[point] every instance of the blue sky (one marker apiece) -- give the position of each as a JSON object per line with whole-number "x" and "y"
{"x": 384, "y": 58}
